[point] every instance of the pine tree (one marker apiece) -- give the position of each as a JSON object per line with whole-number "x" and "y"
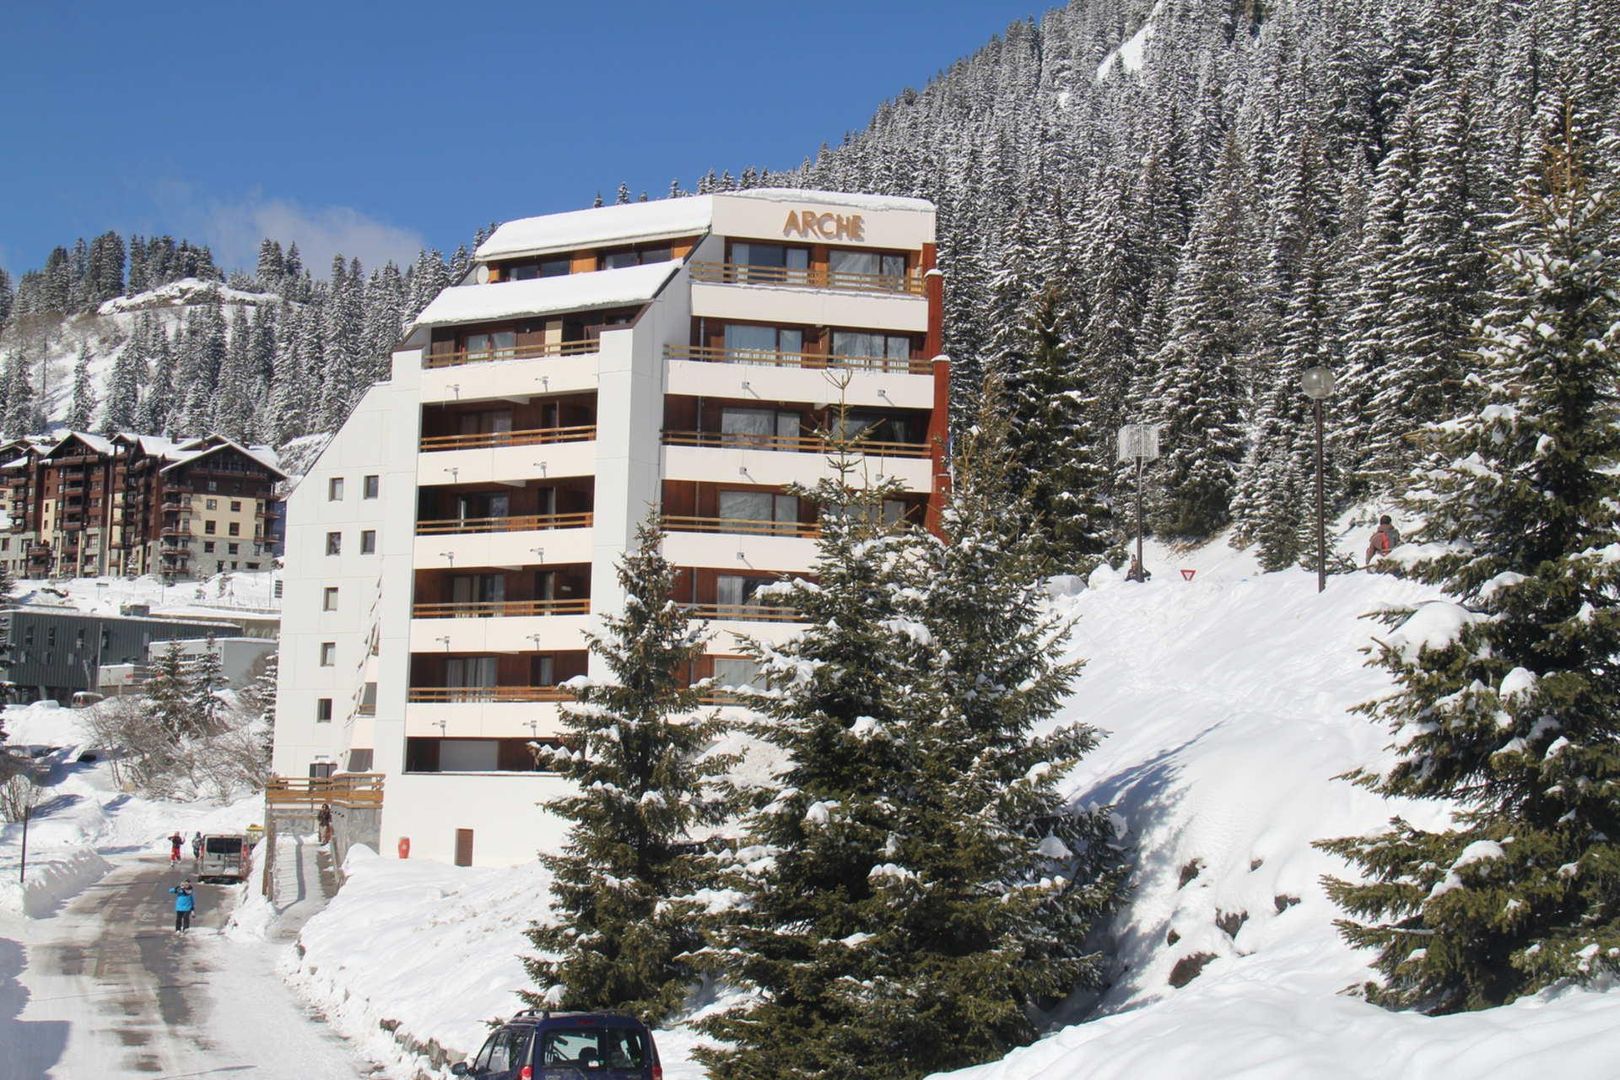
{"x": 638, "y": 753}
{"x": 915, "y": 885}
{"x": 1514, "y": 717}
{"x": 82, "y": 410}
{"x": 204, "y": 678}
{"x": 122, "y": 407}
{"x": 167, "y": 694}
{"x": 158, "y": 414}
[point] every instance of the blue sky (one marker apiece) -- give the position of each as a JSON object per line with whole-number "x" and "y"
{"x": 378, "y": 127}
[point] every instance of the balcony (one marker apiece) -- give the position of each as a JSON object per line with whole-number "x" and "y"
{"x": 531, "y": 523}
{"x": 741, "y": 526}
{"x": 485, "y": 694}
{"x": 812, "y": 444}
{"x": 530, "y": 437}
{"x": 742, "y": 613}
{"x": 817, "y": 361}
{"x": 456, "y": 358}
{"x": 812, "y": 277}
{"x": 488, "y": 609}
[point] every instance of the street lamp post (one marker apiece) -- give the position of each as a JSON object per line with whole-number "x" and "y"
{"x": 1141, "y": 442}
{"x": 1317, "y": 382}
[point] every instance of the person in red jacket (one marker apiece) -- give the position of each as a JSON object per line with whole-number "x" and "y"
{"x": 1384, "y": 540}
{"x": 174, "y": 847}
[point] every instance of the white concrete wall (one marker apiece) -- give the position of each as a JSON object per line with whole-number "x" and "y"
{"x": 358, "y": 449}
{"x": 817, "y": 307}
{"x": 443, "y": 551}
{"x": 502, "y": 809}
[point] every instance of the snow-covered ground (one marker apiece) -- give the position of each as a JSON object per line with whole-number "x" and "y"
{"x": 85, "y": 818}
{"x": 1225, "y": 700}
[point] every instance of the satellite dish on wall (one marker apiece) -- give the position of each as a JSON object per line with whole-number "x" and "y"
{"x": 481, "y": 275}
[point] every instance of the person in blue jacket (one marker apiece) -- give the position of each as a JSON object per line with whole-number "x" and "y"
{"x": 184, "y": 904}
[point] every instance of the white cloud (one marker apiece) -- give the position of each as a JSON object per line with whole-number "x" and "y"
{"x": 234, "y": 229}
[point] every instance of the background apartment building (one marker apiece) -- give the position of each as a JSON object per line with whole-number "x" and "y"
{"x": 87, "y": 505}
{"x": 453, "y": 544}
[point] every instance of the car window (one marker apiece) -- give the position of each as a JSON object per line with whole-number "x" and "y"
{"x": 481, "y": 1062}
{"x": 613, "y": 1048}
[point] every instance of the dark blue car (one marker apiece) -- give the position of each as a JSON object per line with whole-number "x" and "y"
{"x": 566, "y": 1046}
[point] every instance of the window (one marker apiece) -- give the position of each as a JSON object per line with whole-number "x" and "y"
{"x": 334, "y": 489}
{"x": 770, "y": 262}
{"x": 208, "y": 547}
{"x": 543, "y": 671}
{"x": 329, "y": 597}
{"x": 736, "y": 671}
{"x": 543, "y": 268}
{"x": 231, "y": 549}
{"x": 233, "y": 528}
{"x": 592, "y": 1048}
{"x": 496, "y": 345}
{"x": 211, "y": 527}
{"x": 782, "y": 511}
{"x": 328, "y": 653}
{"x": 734, "y": 590}
{"x": 334, "y": 543}
{"x": 210, "y": 504}
{"x": 763, "y": 339}
{"x": 889, "y": 351}
{"x": 323, "y": 710}
{"x": 213, "y": 485}
{"x": 50, "y": 635}
{"x": 370, "y": 486}
{"x": 236, "y": 506}
{"x": 368, "y": 542}
{"x": 757, "y": 427}
{"x": 614, "y": 260}
{"x": 320, "y": 770}
{"x": 871, "y": 264}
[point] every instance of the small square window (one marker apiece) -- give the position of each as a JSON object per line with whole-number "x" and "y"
{"x": 210, "y": 504}
{"x": 234, "y": 528}
{"x": 368, "y": 542}
{"x": 231, "y": 549}
{"x": 334, "y": 489}
{"x": 208, "y": 547}
{"x": 236, "y": 506}
{"x": 211, "y": 527}
{"x": 213, "y": 485}
{"x": 373, "y": 485}
{"x": 329, "y": 598}
{"x": 328, "y": 653}
{"x": 334, "y": 543}
{"x": 323, "y": 710}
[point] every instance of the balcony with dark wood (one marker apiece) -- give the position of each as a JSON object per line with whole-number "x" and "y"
{"x": 574, "y": 334}
{"x": 563, "y": 589}
{"x": 719, "y": 423}
{"x": 912, "y": 365}
{"x": 473, "y": 678}
{"x": 535, "y": 421}
{"x": 489, "y": 508}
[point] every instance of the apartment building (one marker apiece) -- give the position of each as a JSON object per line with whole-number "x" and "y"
{"x": 448, "y": 552}
{"x": 87, "y": 505}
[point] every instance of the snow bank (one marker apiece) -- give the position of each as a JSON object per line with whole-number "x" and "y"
{"x": 1131, "y": 54}
{"x": 52, "y": 877}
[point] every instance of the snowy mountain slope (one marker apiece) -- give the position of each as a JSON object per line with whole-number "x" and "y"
{"x": 1225, "y": 700}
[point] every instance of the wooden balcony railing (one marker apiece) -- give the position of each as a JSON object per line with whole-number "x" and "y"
{"x": 343, "y": 789}
{"x": 807, "y": 444}
{"x": 505, "y": 524}
{"x": 742, "y": 612}
{"x": 457, "y": 357}
{"x": 469, "y": 694}
{"x": 769, "y": 358}
{"x": 910, "y": 284}
{"x": 529, "y": 437}
{"x": 747, "y": 526}
{"x": 491, "y": 609}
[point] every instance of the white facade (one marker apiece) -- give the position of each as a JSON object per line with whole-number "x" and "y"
{"x": 535, "y": 415}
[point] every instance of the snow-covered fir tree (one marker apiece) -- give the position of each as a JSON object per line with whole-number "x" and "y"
{"x": 82, "y": 409}
{"x": 641, "y": 754}
{"x": 914, "y": 887}
{"x": 1507, "y": 700}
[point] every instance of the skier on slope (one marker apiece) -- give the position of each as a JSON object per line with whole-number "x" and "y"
{"x": 185, "y": 902}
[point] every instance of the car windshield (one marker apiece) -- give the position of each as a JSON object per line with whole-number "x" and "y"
{"x": 594, "y": 1048}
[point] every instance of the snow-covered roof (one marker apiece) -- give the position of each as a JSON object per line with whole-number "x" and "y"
{"x": 547, "y": 296}
{"x": 95, "y": 442}
{"x": 156, "y": 445}
{"x": 833, "y": 198}
{"x": 185, "y": 454}
{"x": 664, "y": 219}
